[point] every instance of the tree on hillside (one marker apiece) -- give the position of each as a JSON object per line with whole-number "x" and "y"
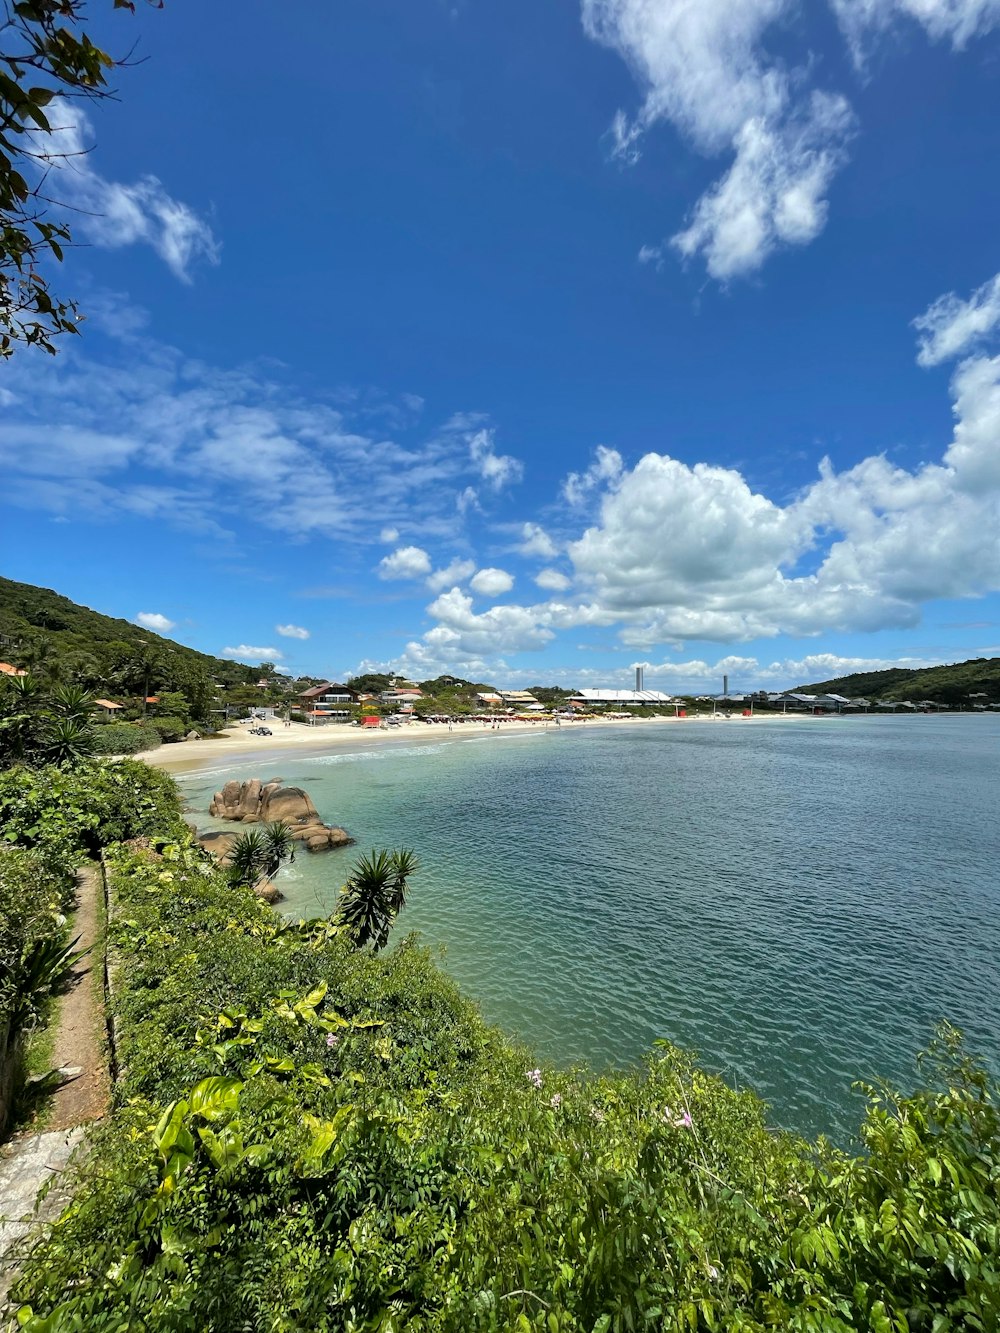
{"x": 44, "y": 55}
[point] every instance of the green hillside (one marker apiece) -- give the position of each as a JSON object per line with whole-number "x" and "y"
{"x": 950, "y": 684}
{"x": 47, "y": 633}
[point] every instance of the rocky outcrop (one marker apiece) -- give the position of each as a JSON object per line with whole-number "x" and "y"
{"x": 256, "y": 802}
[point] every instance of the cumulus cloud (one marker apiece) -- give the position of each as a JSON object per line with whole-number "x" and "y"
{"x": 552, "y": 580}
{"x": 676, "y": 552}
{"x": 536, "y": 541}
{"x": 407, "y": 562}
{"x": 492, "y": 582}
{"x": 457, "y": 571}
{"x": 389, "y": 535}
{"x": 950, "y": 326}
{"x": 292, "y": 631}
{"x": 153, "y": 620}
{"x": 606, "y": 467}
{"x": 245, "y": 652}
{"x": 109, "y": 213}
{"x": 496, "y": 470}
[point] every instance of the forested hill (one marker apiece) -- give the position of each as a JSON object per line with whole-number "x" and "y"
{"x": 39, "y": 627}
{"x": 952, "y": 684}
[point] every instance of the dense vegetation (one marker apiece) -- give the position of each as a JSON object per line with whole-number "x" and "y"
{"x": 308, "y": 1136}
{"x": 952, "y": 685}
{"x": 58, "y": 640}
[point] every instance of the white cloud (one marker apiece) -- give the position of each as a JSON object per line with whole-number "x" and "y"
{"x": 492, "y": 582}
{"x": 552, "y": 580}
{"x": 536, "y": 541}
{"x": 606, "y": 467}
{"x": 245, "y": 652}
{"x": 408, "y": 562}
{"x": 705, "y": 67}
{"x": 389, "y": 535}
{"x": 951, "y": 326}
{"x": 153, "y": 620}
{"x": 157, "y": 434}
{"x": 457, "y": 571}
{"x": 958, "y": 21}
{"x": 497, "y": 470}
{"x": 775, "y": 192}
{"x": 108, "y": 213}
{"x": 292, "y": 631}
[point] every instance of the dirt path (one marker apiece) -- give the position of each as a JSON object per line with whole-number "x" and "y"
{"x": 80, "y": 1031}
{"x": 79, "y": 1043}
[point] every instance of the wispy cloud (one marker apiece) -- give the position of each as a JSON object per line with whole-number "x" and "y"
{"x": 109, "y": 213}
{"x": 292, "y": 631}
{"x": 951, "y": 326}
{"x": 705, "y": 68}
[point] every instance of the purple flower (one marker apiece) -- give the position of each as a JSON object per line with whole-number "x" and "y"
{"x": 332, "y": 1039}
{"x": 534, "y": 1077}
{"x": 685, "y": 1121}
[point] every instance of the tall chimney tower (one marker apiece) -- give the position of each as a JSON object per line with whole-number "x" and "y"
{"x": 638, "y": 678}
{"x": 725, "y": 685}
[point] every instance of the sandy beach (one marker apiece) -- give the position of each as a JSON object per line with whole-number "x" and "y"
{"x": 237, "y": 743}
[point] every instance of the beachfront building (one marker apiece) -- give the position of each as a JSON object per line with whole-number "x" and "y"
{"x": 627, "y": 698}
{"x": 401, "y": 699}
{"x": 521, "y": 701}
{"x": 489, "y": 700}
{"x": 324, "y": 698}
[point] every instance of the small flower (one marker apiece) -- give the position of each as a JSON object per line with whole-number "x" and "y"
{"x": 534, "y": 1077}
{"x": 332, "y": 1039}
{"x": 713, "y": 1272}
{"x": 556, "y": 1101}
{"x": 597, "y": 1114}
{"x": 685, "y": 1121}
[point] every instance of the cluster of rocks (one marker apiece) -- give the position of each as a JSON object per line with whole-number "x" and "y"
{"x": 257, "y": 802}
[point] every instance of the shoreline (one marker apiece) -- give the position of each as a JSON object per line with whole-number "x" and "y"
{"x": 190, "y": 756}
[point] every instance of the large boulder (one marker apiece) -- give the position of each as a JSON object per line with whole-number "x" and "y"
{"x": 266, "y": 890}
{"x": 220, "y": 844}
{"x": 291, "y": 804}
{"x": 255, "y": 802}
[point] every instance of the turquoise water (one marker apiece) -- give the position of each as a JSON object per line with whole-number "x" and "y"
{"x": 799, "y": 902}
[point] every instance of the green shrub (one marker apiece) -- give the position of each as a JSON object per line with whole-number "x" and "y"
{"x": 169, "y": 728}
{"x": 33, "y": 900}
{"x": 70, "y": 813}
{"x": 125, "y": 738}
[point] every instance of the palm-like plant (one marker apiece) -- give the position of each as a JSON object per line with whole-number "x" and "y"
{"x": 247, "y": 858}
{"x": 374, "y": 895}
{"x": 279, "y": 846}
{"x": 71, "y": 704}
{"x": 66, "y": 741}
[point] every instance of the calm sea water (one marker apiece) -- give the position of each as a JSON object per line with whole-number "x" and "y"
{"x": 799, "y": 902}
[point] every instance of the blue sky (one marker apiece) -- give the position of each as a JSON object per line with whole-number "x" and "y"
{"x": 529, "y": 342}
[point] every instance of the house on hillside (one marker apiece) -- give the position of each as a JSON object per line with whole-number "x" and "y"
{"x": 107, "y": 708}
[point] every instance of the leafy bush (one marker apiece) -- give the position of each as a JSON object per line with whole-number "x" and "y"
{"x": 125, "y": 738}
{"x": 33, "y": 898}
{"x": 169, "y": 728}
{"x": 311, "y": 1137}
{"x": 70, "y": 813}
